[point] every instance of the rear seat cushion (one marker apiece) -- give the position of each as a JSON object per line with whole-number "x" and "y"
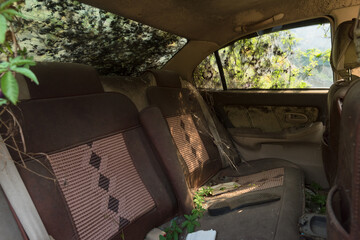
{"x": 88, "y": 125}
{"x": 83, "y": 125}
{"x": 109, "y": 181}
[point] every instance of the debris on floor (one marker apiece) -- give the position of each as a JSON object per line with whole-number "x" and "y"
{"x": 201, "y": 235}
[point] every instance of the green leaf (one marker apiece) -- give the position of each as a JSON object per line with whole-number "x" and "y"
{"x": 21, "y": 61}
{"x": 4, "y": 65}
{"x": 7, "y": 3}
{"x": 161, "y": 237}
{"x": 7, "y": 16}
{"x": 169, "y": 236}
{"x": 3, "y": 101}
{"x": 26, "y": 72}
{"x": 190, "y": 228}
{"x": 3, "y": 28}
{"x": 13, "y": 12}
{"x": 122, "y": 236}
{"x": 9, "y": 87}
{"x": 176, "y": 236}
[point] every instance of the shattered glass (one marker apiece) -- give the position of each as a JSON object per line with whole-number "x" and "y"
{"x": 69, "y": 31}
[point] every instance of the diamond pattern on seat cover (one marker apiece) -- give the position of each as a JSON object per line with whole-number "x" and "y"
{"x": 101, "y": 187}
{"x": 188, "y": 141}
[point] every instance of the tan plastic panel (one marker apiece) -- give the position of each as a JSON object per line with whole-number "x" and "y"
{"x": 302, "y": 147}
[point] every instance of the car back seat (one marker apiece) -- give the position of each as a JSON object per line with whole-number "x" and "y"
{"x": 189, "y": 128}
{"x": 101, "y": 179}
{"x": 343, "y": 59}
{"x": 200, "y": 160}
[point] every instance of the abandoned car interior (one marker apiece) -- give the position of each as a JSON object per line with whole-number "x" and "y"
{"x": 175, "y": 120}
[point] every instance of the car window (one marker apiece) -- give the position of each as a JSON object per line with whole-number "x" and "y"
{"x": 69, "y": 31}
{"x": 292, "y": 58}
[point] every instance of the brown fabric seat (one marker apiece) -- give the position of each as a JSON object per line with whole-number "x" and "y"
{"x": 343, "y": 60}
{"x": 200, "y": 160}
{"x": 101, "y": 179}
{"x": 343, "y": 202}
{"x": 199, "y": 155}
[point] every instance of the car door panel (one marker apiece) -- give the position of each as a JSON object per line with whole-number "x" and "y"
{"x": 285, "y": 124}
{"x": 270, "y": 118}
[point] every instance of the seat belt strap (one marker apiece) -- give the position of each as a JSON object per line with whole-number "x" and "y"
{"x": 225, "y": 159}
{"x": 19, "y": 197}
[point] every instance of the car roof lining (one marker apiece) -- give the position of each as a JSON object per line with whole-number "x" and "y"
{"x": 215, "y": 21}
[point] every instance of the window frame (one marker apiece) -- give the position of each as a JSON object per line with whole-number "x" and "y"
{"x": 310, "y": 22}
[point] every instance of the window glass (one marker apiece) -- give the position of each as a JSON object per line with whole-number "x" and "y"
{"x": 295, "y": 58}
{"x": 69, "y": 31}
{"x": 207, "y": 75}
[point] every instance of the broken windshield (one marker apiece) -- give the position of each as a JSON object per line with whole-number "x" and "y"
{"x": 69, "y": 31}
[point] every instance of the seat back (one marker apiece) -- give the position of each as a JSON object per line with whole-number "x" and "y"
{"x": 343, "y": 60}
{"x": 188, "y": 126}
{"x": 343, "y": 203}
{"x": 100, "y": 179}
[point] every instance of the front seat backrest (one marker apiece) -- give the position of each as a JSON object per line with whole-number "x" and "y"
{"x": 343, "y": 59}
{"x": 343, "y": 203}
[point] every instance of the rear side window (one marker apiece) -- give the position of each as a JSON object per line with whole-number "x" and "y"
{"x": 286, "y": 59}
{"x": 70, "y": 31}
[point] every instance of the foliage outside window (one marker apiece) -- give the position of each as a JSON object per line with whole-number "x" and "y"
{"x": 296, "y": 58}
{"x": 69, "y": 31}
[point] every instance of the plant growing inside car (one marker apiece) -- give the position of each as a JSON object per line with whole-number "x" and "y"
{"x": 192, "y": 220}
{"x": 172, "y": 232}
{"x": 14, "y": 58}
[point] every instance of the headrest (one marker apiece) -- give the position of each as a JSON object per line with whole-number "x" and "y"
{"x": 63, "y": 80}
{"x": 165, "y": 78}
{"x": 343, "y": 54}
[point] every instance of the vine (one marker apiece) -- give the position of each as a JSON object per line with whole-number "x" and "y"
{"x": 14, "y": 60}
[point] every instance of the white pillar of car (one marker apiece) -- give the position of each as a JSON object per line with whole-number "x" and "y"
{"x": 19, "y": 197}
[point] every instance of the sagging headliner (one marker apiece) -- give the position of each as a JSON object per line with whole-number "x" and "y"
{"x": 215, "y": 21}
